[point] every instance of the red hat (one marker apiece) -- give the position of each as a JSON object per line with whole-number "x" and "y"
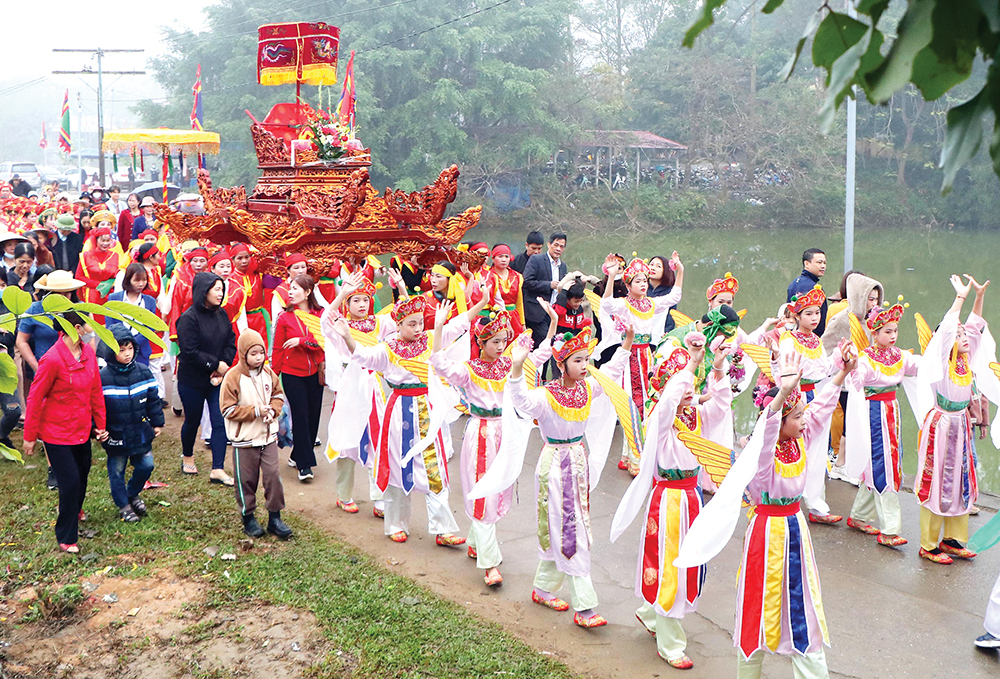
{"x": 367, "y": 288}
{"x": 237, "y": 248}
{"x": 727, "y": 283}
{"x": 879, "y": 317}
{"x": 563, "y": 347}
{"x": 675, "y": 360}
{"x": 199, "y": 251}
{"x": 149, "y": 232}
{"x": 501, "y": 249}
{"x": 488, "y": 326}
{"x": 814, "y": 297}
{"x": 637, "y": 267}
{"x": 99, "y": 231}
{"x": 414, "y": 305}
{"x": 294, "y": 258}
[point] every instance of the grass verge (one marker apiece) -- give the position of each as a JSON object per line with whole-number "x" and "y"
{"x": 380, "y": 624}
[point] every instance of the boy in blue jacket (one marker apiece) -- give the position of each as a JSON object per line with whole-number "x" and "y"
{"x": 135, "y": 418}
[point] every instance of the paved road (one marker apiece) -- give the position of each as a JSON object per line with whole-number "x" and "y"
{"x": 890, "y": 613}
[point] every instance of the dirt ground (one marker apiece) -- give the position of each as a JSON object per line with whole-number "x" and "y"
{"x": 159, "y": 628}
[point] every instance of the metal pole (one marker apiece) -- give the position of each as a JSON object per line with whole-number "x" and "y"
{"x": 79, "y": 143}
{"x": 100, "y": 115}
{"x": 637, "y": 156}
{"x": 611, "y": 179}
{"x": 852, "y": 112}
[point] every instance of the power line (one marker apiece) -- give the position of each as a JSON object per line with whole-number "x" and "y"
{"x": 434, "y": 28}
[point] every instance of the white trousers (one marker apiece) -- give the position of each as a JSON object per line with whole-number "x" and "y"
{"x": 671, "y": 642}
{"x": 440, "y": 518}
{"x": 344, "y": 469}
{"x": 483, "y": 538}
{"x": 549, "y": 579}
{"x": 808, "y": 666}
{"x": 992, "y": 622}
{"x": 882, "y": 510}
{"x": 156, "y": 367}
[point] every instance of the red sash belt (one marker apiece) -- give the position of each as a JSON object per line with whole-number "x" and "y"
{"x": 411, "y": 391}
{"x": 884, "y": 396}
{"x": 778, "y": 510}
{"x": 679, "y": 484}
{"x": 807, "y": 387}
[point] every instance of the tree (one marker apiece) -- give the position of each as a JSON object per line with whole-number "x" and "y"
{"x": 936, "y": 45}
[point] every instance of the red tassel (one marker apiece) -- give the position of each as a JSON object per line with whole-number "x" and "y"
{"x": 142, "y": 162}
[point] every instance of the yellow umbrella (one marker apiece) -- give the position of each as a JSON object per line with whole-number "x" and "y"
{"x": 162, "y": 140}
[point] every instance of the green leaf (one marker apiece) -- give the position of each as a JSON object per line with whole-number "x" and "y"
{"x": 44, "y": 319}
{"x": 8, "y": 373}
{"x": 16, "y": 300}
{"x": 705, "y": 20}
{"x": 772, "y": 5}
{"x": 836, "y": 34}
{"x": 154, "y": 337}
{"x": 8, "y": 323}
{"x": 789, "y": 67}
{"x": 913, "y": 34}
{"x": 11, "y": 454}
{"x": 103, "y": 333}
{"x": 99, "y": 309}
{"x": 851, "y": 66}
{"x": 991, "y": 10}
{"x": 67, "y": 328}
{"x": 962, "y": 139}
{"x": 141, "y": 314}
{"x": 55, "y": 303}
{"x": 872, "y": 8}
{"x": 948, "y": 59}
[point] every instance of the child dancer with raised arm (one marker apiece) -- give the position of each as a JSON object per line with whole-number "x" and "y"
{"x": 482, "y": 381}
{"x": 873, "y": 428}
{"x": 646, "y": 316}
{"x": 946, "y": 484}
{"x": 668, "y": 593}
{"x": 354, "y": 303}
{"x": 407, "y": 422}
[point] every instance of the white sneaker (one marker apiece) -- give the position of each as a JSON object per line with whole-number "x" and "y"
{"x": 291, "y": 462}
{"x": 839, "y": 472}
{"x": 305, "y": 474}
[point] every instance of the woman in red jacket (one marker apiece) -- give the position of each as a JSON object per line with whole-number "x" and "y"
{"x": 66, "y": 397}
{"x": 298, "y": 358}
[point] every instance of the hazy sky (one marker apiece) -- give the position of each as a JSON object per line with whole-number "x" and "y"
{"x": 30, "y": 93}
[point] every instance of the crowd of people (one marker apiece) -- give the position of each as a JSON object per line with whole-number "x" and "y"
{"x": 517, "y": 342}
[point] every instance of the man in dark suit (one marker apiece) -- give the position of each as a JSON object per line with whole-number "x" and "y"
{"x": 813, "y": 268}
{"x": 541, "y": 276}
{"x": 532, "y": 246}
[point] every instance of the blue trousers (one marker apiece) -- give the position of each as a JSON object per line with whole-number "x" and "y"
{"x": 142, "y": 467}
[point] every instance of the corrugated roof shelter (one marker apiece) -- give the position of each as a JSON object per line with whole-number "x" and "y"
{"x": 633, "y": 139}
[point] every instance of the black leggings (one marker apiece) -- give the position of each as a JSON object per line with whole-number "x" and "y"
{"x": 194, "y": 399}
{"x": 305, "y": 400}
{"x": 71, "y": 465}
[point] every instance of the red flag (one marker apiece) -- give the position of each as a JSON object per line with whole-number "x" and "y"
{"x": 196, "y": 109}
{"x": 64, "y": 139}
{"x": 345, "y": 108}
{"x": 43, "y": 142}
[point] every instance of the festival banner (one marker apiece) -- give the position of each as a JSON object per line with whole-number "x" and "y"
{"x": 43, "y": 143}
{"x": 64, "y": 139}
{"x": 303, "y": 52}
{"x": 196, "y": 114}
{"x": 345, "y": 108}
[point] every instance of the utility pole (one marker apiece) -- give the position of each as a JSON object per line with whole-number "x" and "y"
{"x": 100, "y": 72}
{"x": 852, "y": 116}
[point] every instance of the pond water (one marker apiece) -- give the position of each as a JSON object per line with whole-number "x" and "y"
{"x": 914, "y": 263}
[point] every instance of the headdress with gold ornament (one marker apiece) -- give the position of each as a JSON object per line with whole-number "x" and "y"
{"x": 814, "y": 297}
{"x": 414, "y": 305}
{"x": 637, "y": 267}
{"x": 368, "y": 289}
{"x": 567, "y": 344}
{"x": 790, "y": 402}
{"x": 727, "y": 283}
{"x": 879, "y": 317}
{"x": 670, "y": 359}
{"x": 103, "y": 216}
{"x": 496, "y": 322}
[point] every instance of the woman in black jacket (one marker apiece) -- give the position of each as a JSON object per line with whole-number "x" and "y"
{"x": 207, "y": 348}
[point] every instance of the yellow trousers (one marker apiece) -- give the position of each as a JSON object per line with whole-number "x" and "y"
{"x": 955, "y": 528}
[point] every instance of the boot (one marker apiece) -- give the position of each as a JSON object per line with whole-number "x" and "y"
{"x": 251, "y": 527}
{"x": 277, "y": 527}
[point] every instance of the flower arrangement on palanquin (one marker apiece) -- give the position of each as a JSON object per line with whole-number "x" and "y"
{"x": 320, "y": 203}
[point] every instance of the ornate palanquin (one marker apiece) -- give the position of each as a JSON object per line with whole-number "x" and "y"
{"x": 327, "y": 211}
